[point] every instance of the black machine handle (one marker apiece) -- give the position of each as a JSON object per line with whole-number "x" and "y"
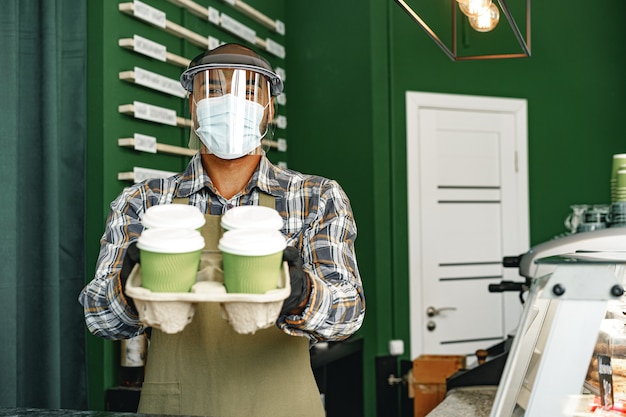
{"x": 503, "y": 286}
{"x": 507, "y": 286}
{"x": 511, "y": 261}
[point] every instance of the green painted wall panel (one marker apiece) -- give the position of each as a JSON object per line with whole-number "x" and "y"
{"x": 332, "y": 119}
{"x": 354, "y": 61}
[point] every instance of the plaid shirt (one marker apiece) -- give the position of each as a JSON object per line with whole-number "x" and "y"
{"x": 317, "y": 218}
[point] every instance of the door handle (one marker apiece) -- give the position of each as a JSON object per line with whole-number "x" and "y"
{"x": 432, "y": 311}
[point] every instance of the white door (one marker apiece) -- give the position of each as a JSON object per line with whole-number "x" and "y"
{"x": 468, "y": 208}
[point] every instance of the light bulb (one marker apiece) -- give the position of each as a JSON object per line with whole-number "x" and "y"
{"x": 474, "y": 7}
{"x": 486, "y": 21}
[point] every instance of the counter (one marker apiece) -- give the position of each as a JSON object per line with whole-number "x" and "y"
{"x": 40, "y": 412}
{"x": 467, "y": 402}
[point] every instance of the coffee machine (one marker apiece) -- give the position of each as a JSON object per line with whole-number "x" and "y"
{"x": 491, "y": 360}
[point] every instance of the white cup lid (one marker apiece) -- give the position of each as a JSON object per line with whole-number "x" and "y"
{"x": 252, "y": 217}
{"x": 178, "y": 216}
{"x": 249, "y": 242}
{"x": 170, "y": 240}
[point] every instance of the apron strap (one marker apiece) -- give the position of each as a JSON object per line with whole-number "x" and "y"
{"x": 266, "y": 200}
{"x": 181, "y": 200}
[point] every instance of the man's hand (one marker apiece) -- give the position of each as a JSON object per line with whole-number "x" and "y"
{"x": 131, "y": 258}
{"x": 300, "y": 285}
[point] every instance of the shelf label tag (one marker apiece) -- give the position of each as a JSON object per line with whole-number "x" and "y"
{"x": 213, "y": 42}
{"x": 280, "y": 27}
{"x": 148, "y": 13}
{"x": 281, "y": 122}
{"x": 145, "y": 143}
{"x": 149, "y": 48}
{"x": 214, "y": 16}
{"x": 275, "y": 48}
{"x": 141, "y": 174}
{"x": 154, "y": 113}
{"x": 281, "y": 73}
{"x": 159, "y": 82}
{"x": 238, "y": 28}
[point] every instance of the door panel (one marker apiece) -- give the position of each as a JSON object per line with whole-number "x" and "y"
{"x": 468, "y": 233}
{"x": 461, "y": 330}
{"x": 467, "y": 209}
{"x": 466, "y": 158}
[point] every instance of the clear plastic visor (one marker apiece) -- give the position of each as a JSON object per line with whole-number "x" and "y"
{"x": 236, "y": 98}
{"x": 242, "y": 84}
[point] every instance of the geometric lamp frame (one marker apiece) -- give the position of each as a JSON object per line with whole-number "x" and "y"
{"x": 452, "y": 52}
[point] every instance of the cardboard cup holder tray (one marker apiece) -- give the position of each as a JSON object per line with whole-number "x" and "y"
{"x": 171, "y": 312}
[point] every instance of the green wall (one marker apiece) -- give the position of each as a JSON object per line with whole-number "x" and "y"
{"x": 104, "y": 157}
{"x": 575, "y": 89}
{"x": 338, "y": 124}
{"x": 350, "y": 64}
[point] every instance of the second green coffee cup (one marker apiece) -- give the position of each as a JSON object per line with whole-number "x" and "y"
{"x": 251, "y": 260}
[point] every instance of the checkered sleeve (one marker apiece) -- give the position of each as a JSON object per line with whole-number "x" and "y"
{"x": 336, "y": 306}
{"x": 107, "y": 312}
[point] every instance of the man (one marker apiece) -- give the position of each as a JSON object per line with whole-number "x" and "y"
{"x": 208, "y": 369}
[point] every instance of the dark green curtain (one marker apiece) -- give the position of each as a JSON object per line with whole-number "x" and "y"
{"x": 42, "y": 143}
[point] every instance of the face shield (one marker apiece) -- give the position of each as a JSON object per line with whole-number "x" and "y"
{"x": 231, "y": 110}
{"x": 229, "y": 86}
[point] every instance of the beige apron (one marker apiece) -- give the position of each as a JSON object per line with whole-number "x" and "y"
{"x": 208, "y": 369}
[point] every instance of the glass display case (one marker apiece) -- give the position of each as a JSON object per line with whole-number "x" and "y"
{"x": 547, "y": 368}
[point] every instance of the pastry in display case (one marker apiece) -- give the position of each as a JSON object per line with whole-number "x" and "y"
{"x": 606, "y": 376}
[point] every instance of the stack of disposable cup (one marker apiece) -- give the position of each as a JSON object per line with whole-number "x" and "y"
{"x": 620, "y": 186}
{"x": 252, "y": 248}
{"x": 170, "y": 247}
{"x": 618, "y": 191}
{"x": 619, "y": 164}
{"x": 618, "y": 207}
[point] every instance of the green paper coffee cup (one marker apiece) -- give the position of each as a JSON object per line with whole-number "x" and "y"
{"x": 169, "y": 259}
{"x": 173, "y": 216}
{"x": 619, "y": 162}
{"x": 620, "y": 181}
{"x": 251, "y": 260}
{"x": 252, "y": 217}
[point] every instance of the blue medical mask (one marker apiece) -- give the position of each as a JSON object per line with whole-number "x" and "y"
{"x": 229, "y": 126}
